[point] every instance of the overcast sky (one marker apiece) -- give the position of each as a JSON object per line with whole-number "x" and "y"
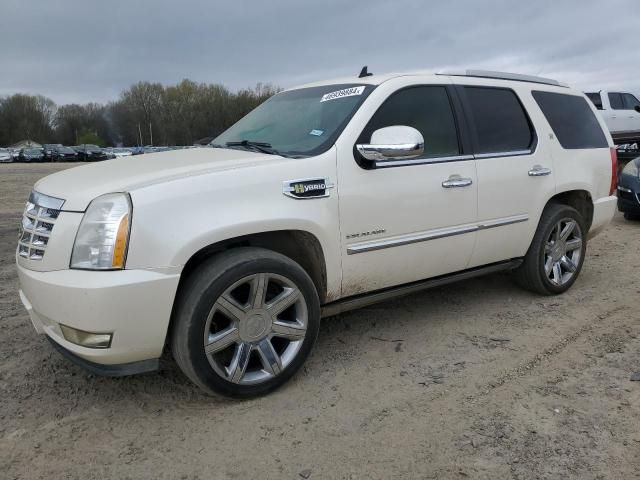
{"x": 89, "y": 50}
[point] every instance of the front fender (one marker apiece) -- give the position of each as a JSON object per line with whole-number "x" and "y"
{"x": 172, "y": 221}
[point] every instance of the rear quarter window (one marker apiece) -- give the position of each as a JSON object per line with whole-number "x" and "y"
{"x": 572, "y": 120}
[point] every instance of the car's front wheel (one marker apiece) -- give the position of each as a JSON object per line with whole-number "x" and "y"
{"x": 554, "y": 259}
{"x": 245, "y": 322}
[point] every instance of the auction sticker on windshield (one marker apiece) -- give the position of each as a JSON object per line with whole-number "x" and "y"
{"x": 347, "y": 92}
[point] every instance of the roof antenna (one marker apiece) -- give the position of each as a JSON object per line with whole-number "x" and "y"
{"x": 364, "y": 72}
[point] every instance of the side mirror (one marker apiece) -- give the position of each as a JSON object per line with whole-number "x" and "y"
{"x": 637, "y": 108}
{"x": 393, "y": 143}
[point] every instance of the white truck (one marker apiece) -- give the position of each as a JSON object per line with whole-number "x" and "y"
{"x": 621, "y": 113}
{"x": 325, "y": 198}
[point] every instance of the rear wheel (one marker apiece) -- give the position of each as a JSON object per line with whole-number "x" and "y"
{"x": 631, "y": 216}
{"x": 245, "y": 322}
{"x": 555, "y": 257}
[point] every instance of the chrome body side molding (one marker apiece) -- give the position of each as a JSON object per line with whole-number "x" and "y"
{"x": 359, "y": 301}
{"x": 423, "y": 161}
{"x": 371, "y": 245}
{"x": 513, "y": 153}
{"x": 455, "y": 158}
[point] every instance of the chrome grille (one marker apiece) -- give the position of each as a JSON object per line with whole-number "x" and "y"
{"x": 38, "y": 221}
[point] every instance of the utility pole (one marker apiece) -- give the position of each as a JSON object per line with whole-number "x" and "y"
{"x": 151, "y": 133}
{"x": 140, "y": 132}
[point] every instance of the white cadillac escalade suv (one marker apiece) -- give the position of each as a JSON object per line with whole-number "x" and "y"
{"x": 325, "y": 198}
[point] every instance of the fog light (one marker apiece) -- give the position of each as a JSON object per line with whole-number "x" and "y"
{"x": 86, "y": 339}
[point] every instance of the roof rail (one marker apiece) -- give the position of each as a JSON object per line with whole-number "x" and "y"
{"x": 503, "y": 76}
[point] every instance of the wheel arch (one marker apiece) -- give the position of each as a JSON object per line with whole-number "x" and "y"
{"x": 300, "y": 246}
{"x": 579, "y": 199}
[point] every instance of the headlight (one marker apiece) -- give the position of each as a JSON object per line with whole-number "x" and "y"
{"x": 103, "y": 235}
{"x": 632, "y": 168}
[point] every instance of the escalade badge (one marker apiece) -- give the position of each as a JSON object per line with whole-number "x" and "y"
{"x": 307, "y": 188}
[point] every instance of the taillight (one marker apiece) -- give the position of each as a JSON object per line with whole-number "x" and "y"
{"x": 614, "y": 171}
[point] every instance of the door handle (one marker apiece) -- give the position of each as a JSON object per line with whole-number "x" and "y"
{"x": 539, "y": 171}
{"x": 456, "y": 181}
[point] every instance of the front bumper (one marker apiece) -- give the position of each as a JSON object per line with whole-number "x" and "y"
{"x": 134, "y": 305}
{"x": 119, "y": 370}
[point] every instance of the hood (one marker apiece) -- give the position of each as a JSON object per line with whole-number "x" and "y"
{"x": 79, "y": 185}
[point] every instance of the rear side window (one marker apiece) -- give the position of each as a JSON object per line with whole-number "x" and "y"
{"x": 501, "y": 123}
{"x": 596, "y": 99}
{"x": 428, "y": 110}
{"x": 571, "y": 119}
{"x": 615, "y": 99}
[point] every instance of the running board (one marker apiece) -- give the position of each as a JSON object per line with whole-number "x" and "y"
{"x": 364, "y": 300}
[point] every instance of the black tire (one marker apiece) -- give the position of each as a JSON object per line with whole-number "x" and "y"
{"x": 197, "y": 298}
{"x": 531, "y": 274}
{"x": 631, "y": 216}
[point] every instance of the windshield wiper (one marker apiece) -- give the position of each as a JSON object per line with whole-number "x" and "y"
{"x": 262, "y": 147}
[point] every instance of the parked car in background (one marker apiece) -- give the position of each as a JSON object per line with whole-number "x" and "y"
{"x": 627, "y": 152}
{"x": 48, "y": 150}
{"x": 90, "y": 153}
{"x": 30, "y": 155}
{"x": 15, "y": 153}
{"x": 119, "y": 152}
{"x": 64, "y": 154}
{"x": 327, "y": 197}
{"x": 629, "y": 190}
{"x": 621, "y": 113}
{"x": 5, "y": 156}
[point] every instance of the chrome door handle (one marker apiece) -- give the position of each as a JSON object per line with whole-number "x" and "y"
{"x": 538, "y": 171}
{"x": 456, "y": 181}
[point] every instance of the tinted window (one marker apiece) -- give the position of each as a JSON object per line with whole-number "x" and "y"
{"x": 630, "y": 102}
{"x": 595, "y": 99}
{"x": 428, "y": 110}
{"x": 615, "y": 99}
{"x": 500, "y": 121}
{"x": 572, "y": 120}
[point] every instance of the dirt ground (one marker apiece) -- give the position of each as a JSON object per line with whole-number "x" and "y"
{"x": 475, "y": 380}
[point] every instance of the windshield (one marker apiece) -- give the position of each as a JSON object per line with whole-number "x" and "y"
{"x": 298, "y": 123}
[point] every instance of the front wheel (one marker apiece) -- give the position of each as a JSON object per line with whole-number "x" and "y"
{"x": 245, "y": 322}
{"x": 554, "y": 259}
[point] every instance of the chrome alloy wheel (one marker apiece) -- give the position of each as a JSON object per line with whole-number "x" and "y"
{"x": 562, "y": 251}
{"x": 255, "y": 328}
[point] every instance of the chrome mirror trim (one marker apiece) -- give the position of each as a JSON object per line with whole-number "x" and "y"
{"x": 381, "y": 153}
{"x": 393, "y": 143}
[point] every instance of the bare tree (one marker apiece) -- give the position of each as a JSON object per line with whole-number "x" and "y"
{"x": 175, "y": 115}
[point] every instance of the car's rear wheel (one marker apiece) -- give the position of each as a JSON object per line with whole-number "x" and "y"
{"x": 555, "y": 257}
{"x": 631, "y": 216}
{"x": 245, "y": 322}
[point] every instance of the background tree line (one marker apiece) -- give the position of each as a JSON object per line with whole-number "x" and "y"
{"x": 144, "y": 114}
